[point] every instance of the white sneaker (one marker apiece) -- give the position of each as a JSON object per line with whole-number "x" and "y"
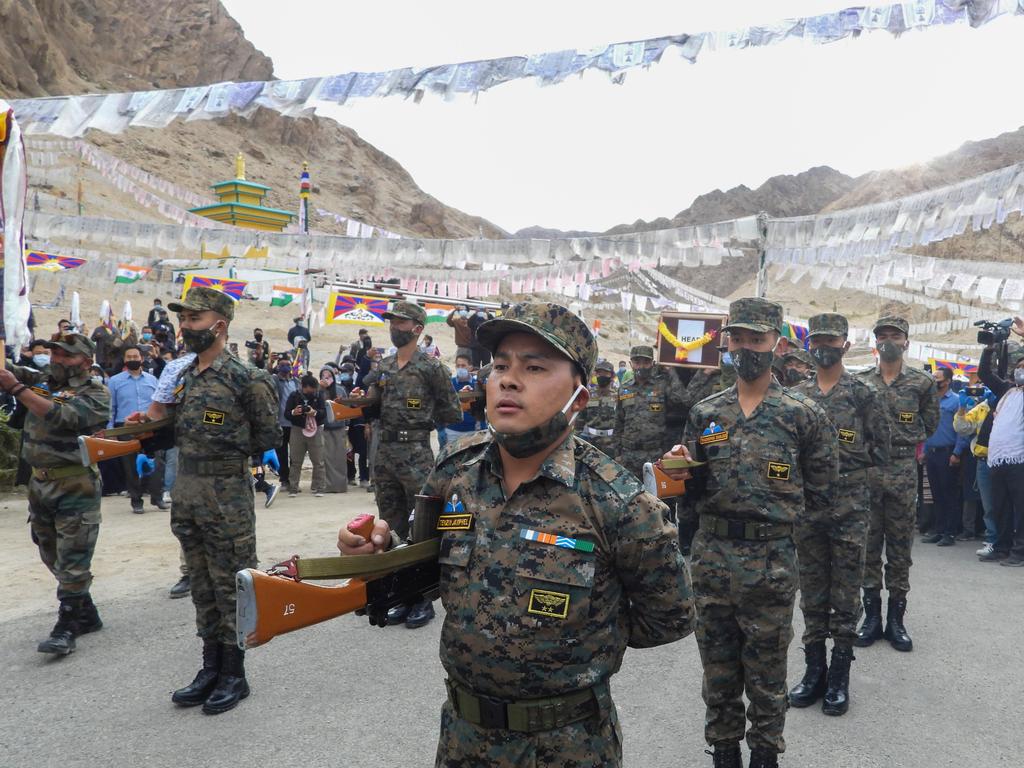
{"x": 986, "y": 549}
{"x": 318, "y": 495}
{"x": 167, "y": 497}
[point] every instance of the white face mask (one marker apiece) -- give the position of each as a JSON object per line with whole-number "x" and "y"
{"x": 41, "y": 361}
{"x": 1018, "y": 377}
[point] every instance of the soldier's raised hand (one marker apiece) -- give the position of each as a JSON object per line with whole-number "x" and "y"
{"x": 350, "y": 543}
{"x": 678, "y": 451}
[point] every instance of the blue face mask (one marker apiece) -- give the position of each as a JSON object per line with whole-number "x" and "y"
{"x": 462, "y": 373}
{"x": 726, "y": 358}
{"x": 345, "y": 377}
{"x": 147, "y": 336}
{"x": 40, "y": 361}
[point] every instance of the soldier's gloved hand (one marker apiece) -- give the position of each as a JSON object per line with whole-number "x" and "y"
{"x": 270, "y": 459}
{"x": 676, "y": 452}
{"x": 350, "y": 543}
{"x": 144, "y": 466}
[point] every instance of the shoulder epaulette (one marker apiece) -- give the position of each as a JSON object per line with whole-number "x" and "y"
{"x": 463, "y": 444}
{"x": 620, "y": 480}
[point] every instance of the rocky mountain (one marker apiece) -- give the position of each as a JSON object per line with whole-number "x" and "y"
{"x": 798, "y": 195}
{"x": 546, "y": 233}
{"x": 76, "y": 46}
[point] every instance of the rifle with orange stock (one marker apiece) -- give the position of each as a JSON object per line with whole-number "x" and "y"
{"x": 352, "y": 407}
{"x": 141, "y": 437}
{"x": 280, "y": 600}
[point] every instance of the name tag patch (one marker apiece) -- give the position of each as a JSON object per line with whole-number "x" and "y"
{"x": 214, "y": 417}
{"x": 778, "y": 471}
{"x": 627, "y": 396}
{"x": 413, "y": 403}
{"x": 455, "y": 522}
{"x": 554, "y": 605}
{"x": 906, "y": 417}
{"x": 714, "y": 437}
{"x": 847, "y": 436}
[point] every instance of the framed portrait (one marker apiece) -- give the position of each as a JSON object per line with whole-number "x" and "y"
{"x": 690, "y": 339}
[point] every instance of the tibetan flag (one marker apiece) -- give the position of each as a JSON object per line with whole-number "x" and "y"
{"x": 128, "y": 273}
{"x": 351, "y": 309}
{"x": 559, "y": 541}
{"x": 283, "y": 295}
{"x": 51, "y": 262}
{"x": 437, "y": 313}
{"x": 958, "y": 367}
{"x": 796, "y": 333}
{"x": 232, "y": 288}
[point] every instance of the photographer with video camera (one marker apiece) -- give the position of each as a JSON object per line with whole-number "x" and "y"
{"x": 258, "y": 349}
{"x": 1006, "y": 440}
{"x": 307, "y": 412}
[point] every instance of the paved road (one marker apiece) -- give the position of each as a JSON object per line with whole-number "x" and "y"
{"x": 317, "y": 694}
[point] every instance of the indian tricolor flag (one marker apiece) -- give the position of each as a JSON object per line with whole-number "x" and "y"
{"x": 127, "y": 273}
{"x": 437, "y": 313}
{"x": 283, "y": 295}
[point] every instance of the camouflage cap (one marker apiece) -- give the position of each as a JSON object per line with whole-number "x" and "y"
{"x": 73, "y": 343}
{"x": 642, "y": 350}
{"x": 552, "y": 322}
{"x": 892, "y": 321}
{"x": 604, "y": 365}
{"x": 828, "y": 324}
{"x": 201, "y": 298}
{"x": 798, "y": 354}
{"x": 755, "y": 314}
{"x": 407, "y": 310}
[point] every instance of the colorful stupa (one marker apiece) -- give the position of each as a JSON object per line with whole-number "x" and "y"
{"x": 241, "y": 204}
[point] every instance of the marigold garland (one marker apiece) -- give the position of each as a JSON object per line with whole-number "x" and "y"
{"x": 684, "y": 348}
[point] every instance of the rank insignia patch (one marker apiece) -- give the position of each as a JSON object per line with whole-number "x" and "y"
{"x": 554, "y": 605}
{"x": 656, "y": 407}
{"x": 778, "y": 471}
{"x": 906, "y": 417}
{"x": 214, "y": 417}
{"x": 847, "y": 436}
{"x": 413, "y": 403}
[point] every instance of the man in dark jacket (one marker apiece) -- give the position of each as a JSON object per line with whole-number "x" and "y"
{"x": 307, "y": 412}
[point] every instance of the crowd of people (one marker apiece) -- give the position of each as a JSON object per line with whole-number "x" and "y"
{"x": 800, "y": 474}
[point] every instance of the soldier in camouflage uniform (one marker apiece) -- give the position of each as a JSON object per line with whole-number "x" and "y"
{"x": 596, "y": 422}
{"x": 797, "y": 366}
{"x": 225, "y": 411}
{"x": 559, "y": 562}
{"x": 641, "y": 416}
{"x": 62, "y": 402}
{"x": 911, "y": 402}
{"x": 415, "y": 393}
{"x": 830, "y": 544}
{"x": 709, "y": 381}
{"x": 771, "y": 460}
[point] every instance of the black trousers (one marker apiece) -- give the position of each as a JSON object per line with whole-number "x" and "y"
{"x": 357, "y": 442}
{"x": 282, "y": 455}
{"x": 944, "y": 481}
{"x": 1008, "y": 503}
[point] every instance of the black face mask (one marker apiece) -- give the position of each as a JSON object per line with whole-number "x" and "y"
{"x": 642, "y": 375}
{"x": 827, "y": 357}
{"x": 792, "y": 377}
{"x": 367, "y": 343}
{"x": 133, "y": 365}
{"x": 198, "y": 341}
{"x": 62, "y": 374}
{"x": 889, "y": 351}
{"x": 284, "y": 370}
{"x": 258, "y": 336}
{"x": 401, "y": 338}
{"x": 751, "y": 365}
{"x": 604, "y": 381}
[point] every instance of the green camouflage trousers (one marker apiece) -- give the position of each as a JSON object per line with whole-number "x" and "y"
{"x": 744, "y": 593}
{"x": 831, "y": 555}
{"x": 213, "y": 519}
{"x": 64, "y": 518}
{"x": 399, "y": 473}
{"x": 892, "y": 520}
{"x": 594, "y": 743}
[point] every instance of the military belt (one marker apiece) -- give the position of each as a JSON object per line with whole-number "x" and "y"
{"x": 599, "y": 432}
{"x": 902, "y": 451}
{"x": 59, "y": 473}
{"x": 405, "y": 435}
{"x": 744, "y": 529}
{"x": 525, "y": 716}
{"x": 224, "y": 467}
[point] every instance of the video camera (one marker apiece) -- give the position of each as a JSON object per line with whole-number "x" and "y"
{"x": 976, "y": 391}
{"x": 253, "y": 344}
{"x": 994, "y": 333}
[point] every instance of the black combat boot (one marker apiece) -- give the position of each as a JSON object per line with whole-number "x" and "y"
{"x": 726, "y": 755}
{"x": 88, "y": 617}
{"x": 871, "y": 629}
{"x": 231, "y": 685}
{"x": 813, "y": 685}
{"x": 62, "y": 638}
{"x": 895, "y": 632}
{"x": 763, "y": 758}
{"x": 837, "y": 697}
{"x": 199, "y": 689}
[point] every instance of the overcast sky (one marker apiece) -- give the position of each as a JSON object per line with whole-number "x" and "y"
{"x": 587, "y": 154}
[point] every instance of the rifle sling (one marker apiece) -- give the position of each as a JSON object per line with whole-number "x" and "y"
{"x": 355, "y": 566}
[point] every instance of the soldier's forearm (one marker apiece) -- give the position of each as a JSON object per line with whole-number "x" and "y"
{"x": 36, "y": 405}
